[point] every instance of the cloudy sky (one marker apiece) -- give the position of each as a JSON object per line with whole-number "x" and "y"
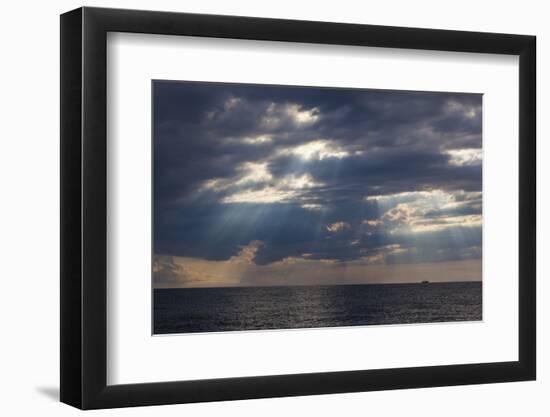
{"x": 278, "y": 185}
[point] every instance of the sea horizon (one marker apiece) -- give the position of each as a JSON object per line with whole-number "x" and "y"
{"x": 319, "y": 285}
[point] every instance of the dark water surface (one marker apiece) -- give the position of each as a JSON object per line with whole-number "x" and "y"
{"x": 258, "y": 308}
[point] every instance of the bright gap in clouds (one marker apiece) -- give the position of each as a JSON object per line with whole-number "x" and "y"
{"x": 319, "y": 149}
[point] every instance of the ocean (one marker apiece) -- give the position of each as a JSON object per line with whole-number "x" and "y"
{"x": 191, "y": 310}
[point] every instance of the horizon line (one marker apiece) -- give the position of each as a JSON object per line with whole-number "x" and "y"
{"x": 319, "y": 285}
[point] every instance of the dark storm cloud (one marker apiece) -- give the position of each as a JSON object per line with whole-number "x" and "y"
{"x": 385, "y": 171}
{"x": 297, "y": 168}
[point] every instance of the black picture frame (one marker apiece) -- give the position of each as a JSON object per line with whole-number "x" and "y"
{"x": 84, "y": 207}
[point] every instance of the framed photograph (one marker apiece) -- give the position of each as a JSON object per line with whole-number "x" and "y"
{"x": 257, "y": 208}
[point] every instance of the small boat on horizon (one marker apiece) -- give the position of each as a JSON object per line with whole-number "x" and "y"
{"x": 425, "y": 282}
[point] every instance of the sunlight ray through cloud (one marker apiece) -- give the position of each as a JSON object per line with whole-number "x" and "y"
{"x": 272, "y": 185}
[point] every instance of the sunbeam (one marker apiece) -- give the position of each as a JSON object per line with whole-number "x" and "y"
{"x": 273, "y": 185}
